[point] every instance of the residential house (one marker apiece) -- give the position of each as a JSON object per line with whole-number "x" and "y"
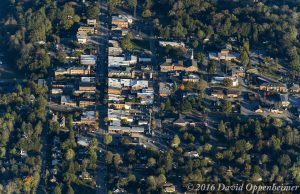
{"x": 88, "y": 60}
{"x": 87, "y": 87}
{"x": 145, "y": 59}
{"x": 181, "y": 122}
{"x": 187, "y": 65}
{"x": 116, "y": 98}
{"x": 274, "y": 87}
{"x": 121, "y": 21}
{"x": 295, "y": 88}
{"x": 113, "y": 90}
{"x": 85, "y": 176}
{"x": 223, "y": 55}
{"x": 121, "y": 61}
{"x": 233, "y": 93}
{"x": 120, "y": 106}
{"x": 91, "y": 22}
{"x": 193, "y": 154}
{"x": 62, "y": 84}
{"x": 217, "y": 93}
{"x": 220, "y": 80}
{"x": 133, "y": 83}
{"x": 169, "y": 188}
{"x": 56, "y": 91}
{"x": 88, "y": 117}
{"x": 146, "y": 96}
{"x": 284, "y": 100}
{"x": 87, "y": 30}
{"x": 66, "y": 100}
{"x": 83, "y": 141}
{"x": 118, "y": 115}
{"x": 115, "y": 51}
{"x": 75, "y": 70}
{"x": 165, "y": 89}
{"x": 125, "y": 130}
{"x": 276, "y": 110}
{"x": 81, "y": 37}
{"x": 85, "y": 103}
{"x": 238, "y": 71}
{"x": 119, "y": 73}
{"x": 191, "y": 78}
{"x": 87, "y": 79}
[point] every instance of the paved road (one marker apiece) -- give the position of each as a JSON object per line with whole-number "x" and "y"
{"x": 102, "y": 75}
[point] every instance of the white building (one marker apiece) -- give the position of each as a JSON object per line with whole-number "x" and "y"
{"x": 88, "y": 79}
{"x": 119, "y": 83}
{"x": 121, "y": 61}
{"x": 88, "y": 59}
{"x": 81, "y": 37}
{"x": 173, "y": 44}
{"x": 220, "y": 80}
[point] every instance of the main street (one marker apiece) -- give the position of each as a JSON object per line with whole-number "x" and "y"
{"x": 102, "y": 87}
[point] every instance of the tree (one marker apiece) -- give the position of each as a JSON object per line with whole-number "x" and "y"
{"x": 126, "y": 42}
{"x": 151, "y": 162}
{"x": 62, "y": 56}
{"x": 227, "y": 107}
{"x": 117, "y": 160}
{"x": 151, "y": 183}
{"x": 54, "y": 127}
{"x": 186, "y": 106}
{"x": 179, "y": 31}
{"x": 295, "y": 64}
{"x": 70, "y": 189}
{"x": 94, "y": 143}
{"x": 107, "y": 139}
{"x": 195, "y": 44}
{"x": 71, "y": 142}
{"x": 175, "y": 141}
{"x": 112, "y": 4}
{"x": 131, "y": 155}
{"x": 200, "y": 34}
{"x": 277, "y": 122}
{"x": 57, "y": 189}
{"x": 221, "y": 127}
{"x": 245, "y": 58}
{"x": 207, "y": 147}
{"x": 133, "y": 4}
{"x": 93, "y": 11}
{"x": 168, "y": 162}
{"x": 70, "y": 154}
{"x": 200, "y": 57}
{"x": 160, "y": 180}
{"x": 146, "y": 13}
{"x": 67, "y": 17}
{"x": 212, "y": 67}
{"x": 228, "y": 82}
{"x": 285, "y": 160}
{"x": 276, "y": 143}
{"x": 109, "y": 157}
